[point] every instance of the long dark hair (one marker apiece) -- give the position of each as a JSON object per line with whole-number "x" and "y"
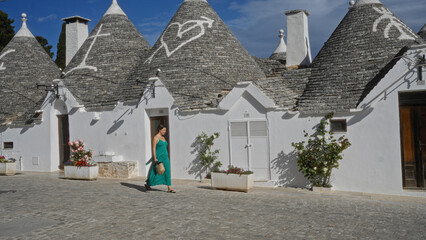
{"x": 161, "y": 126}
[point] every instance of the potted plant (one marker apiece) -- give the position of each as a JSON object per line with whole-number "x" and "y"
{"x": 236, "y": 179}
{"x": 320, "y": 155}
{"x": 7, "y": 167}
{"x": 81, "y": 165}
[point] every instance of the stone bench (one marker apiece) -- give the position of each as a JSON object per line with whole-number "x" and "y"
{"x": 126, "y": 169}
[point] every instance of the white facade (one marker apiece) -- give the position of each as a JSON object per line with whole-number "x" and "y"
{"x": 372, "y": 164}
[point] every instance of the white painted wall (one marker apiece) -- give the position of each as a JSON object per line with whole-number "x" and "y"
{"x": 38, "y": 141}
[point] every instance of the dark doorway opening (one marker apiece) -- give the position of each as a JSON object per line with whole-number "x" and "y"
{"x": 155, "y": 122}
{"x": 64, "y": 138}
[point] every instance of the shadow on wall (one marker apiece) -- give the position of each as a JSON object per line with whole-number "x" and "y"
{"x": 288, "y": 171}
{"x": 195, "y": 167}
{"x": 115, "y": 127}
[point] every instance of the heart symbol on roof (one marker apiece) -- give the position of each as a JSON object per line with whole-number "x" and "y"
{"x": 179, "y": 35}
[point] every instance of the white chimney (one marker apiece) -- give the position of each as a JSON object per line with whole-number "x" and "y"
{"x": 298, "y": 44}
{"x": 76, "y": 33}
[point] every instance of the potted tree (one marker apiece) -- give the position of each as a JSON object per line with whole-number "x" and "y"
{"x": 320, "y": 155}
{"x": 7, "y": 167}
{"x": 207, "y": 156}
{"x": 236, "y": 179}
{"x": 81, "y": 165}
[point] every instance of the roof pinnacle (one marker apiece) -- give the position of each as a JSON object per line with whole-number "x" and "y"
{"x": 365, "y": 2}
{"x": 115, "y": 9}
{"x": 24, "y": 31}
{"x": 282, "y": 47}
{"x": 24, "y": 17}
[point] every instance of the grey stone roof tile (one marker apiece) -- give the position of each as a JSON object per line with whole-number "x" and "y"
{"x": 287, "y": 87}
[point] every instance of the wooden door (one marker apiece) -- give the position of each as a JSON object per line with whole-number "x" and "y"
{"x": 64, "y": 138}
{"x": 420, "y": 118}
{"x": 413, "y": 136}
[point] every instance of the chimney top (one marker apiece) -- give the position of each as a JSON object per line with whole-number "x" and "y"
{"x": 76, "y": 18}
{"x": 296, "y": 12}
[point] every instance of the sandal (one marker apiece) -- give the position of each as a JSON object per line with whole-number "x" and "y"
{"x": 171, "y": 191}
{"x": 148, "y": 188}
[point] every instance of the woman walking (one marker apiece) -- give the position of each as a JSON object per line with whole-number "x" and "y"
{"x": 161, "y": 155}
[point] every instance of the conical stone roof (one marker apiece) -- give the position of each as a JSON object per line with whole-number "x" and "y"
{"x": 348, "y": 65}
{"x": 199, "y": 58}
{"x": 23, "y": 64}
{"x": 104, "y": 62}
{"x": 422, "y": 32}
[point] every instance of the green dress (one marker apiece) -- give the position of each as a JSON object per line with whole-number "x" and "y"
{"x": 162, "y": 156}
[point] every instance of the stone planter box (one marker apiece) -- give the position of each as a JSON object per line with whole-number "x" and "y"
{"x": 126, "y": 169}
{"x": 81, "y": 173}
{"x": 8, "y": 169}
{"x": 233, "y": 182}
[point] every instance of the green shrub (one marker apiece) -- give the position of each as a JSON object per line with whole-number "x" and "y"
{"x": 320, "y": 154}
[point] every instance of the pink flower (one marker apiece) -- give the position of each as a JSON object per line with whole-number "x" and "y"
{"x": 80, "y": 148}
{"x": 69, "y": 143}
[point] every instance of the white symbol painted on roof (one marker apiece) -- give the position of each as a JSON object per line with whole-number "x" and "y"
{"x": 83, "y": 64}
{"x": 393, "y": 22}
{"x": 2, "y": 56}
{"x": 180, "y": 33}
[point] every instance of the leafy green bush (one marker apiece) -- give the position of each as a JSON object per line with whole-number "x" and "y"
{"x": 321, "y": 154}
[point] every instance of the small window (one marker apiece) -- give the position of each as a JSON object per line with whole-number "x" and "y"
{"x": 8, "y": 145}
{"x": 338, "y": 126}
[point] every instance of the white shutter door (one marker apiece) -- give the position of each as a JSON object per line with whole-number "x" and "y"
{"x": 239, "y": 138}
{"x": 259, "y": 149}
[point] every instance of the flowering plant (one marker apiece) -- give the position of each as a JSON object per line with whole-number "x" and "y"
{"x": 3, "y": 160}
{"x": 321, "y": 154}
{"x": 236, "y": 170}
{"x": 80, "y": 157}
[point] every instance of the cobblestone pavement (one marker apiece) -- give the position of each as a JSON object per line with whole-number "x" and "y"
{"x": 46, "y": 206}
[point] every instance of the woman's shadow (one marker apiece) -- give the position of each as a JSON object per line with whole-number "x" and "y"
{"x": 137, "y": 187}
